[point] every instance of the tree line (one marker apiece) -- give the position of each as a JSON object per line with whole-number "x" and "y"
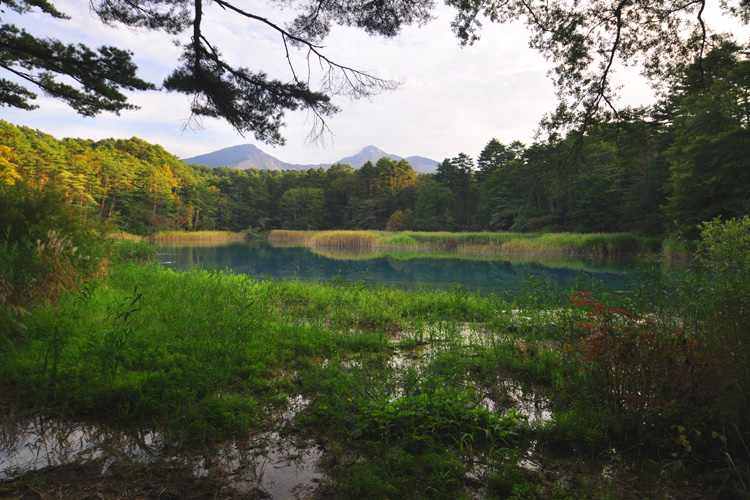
{"x": 652, "y": 171}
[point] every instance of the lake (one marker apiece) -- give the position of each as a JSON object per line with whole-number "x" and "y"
{"x": 488, "y": 274}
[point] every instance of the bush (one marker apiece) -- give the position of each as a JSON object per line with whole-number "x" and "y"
{"x": 46, "y": 244}
{"x": 401, "y": 220}
{"x": 725, "y": 246}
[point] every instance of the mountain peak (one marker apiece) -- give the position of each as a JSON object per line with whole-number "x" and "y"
{"x": 233, "y": 156}
{"x": 246, "y": 156}
{"x": 369, "y": 153}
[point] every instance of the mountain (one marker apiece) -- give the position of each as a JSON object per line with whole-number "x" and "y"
{"x": 243, "y": 157}
{"x": 370, "y": 153}
{"x": 373, "y": 154}
{"x": 422, "y": 164}
{"x": 247, "y": 156}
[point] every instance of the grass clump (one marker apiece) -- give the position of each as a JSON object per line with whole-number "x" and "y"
{"x": 122, "y": 350}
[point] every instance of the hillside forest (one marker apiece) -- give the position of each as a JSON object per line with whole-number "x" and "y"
{"x": 652, "y": 171}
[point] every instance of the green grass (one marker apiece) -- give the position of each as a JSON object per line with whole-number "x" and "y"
{"x": 345, "y": 239}
{"x": 150, "y": 343}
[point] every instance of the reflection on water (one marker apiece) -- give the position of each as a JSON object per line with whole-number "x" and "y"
{"x": 402, "y": 270}
{"x": 268, "y": 465}
{"x": 30, "y": 442}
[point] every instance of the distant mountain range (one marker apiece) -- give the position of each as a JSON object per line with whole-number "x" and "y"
{"x": 248, "y": 156}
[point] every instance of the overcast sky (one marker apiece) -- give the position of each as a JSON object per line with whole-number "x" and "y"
{"x": 451, "y": 99}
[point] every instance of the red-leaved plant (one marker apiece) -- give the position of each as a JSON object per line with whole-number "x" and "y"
{"x": 636, "y": 365}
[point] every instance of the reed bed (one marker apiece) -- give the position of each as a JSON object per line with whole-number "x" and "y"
{"x": 583, "y": 244}
{"x": 581, "y": 262}
{"x": 123, "y": 236}
{"x": 196, "y": 236}
{"x": 288, "y": 237}
{"x": 346, "y": 239}
{"x": 551, "y": 244}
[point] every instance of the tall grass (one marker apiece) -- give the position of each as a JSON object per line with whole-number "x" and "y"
{"x": 286, "y": 236}
{"x": 557, "y": 244}
{"x": 675, "y": 250}
{"x": 132, "y": 348}
{"x": 196, "y": 236}
{"x": 46, "y": 245}
{"x": 583, "y": 244}
{"x": 345, "y": 239}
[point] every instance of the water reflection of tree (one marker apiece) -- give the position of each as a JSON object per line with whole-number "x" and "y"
{"x": 401, "y": 266}
{"x": 261, "y": 260}
{"x": 32, "y": 441}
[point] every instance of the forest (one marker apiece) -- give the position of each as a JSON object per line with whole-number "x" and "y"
{"x": 655, "y": 171}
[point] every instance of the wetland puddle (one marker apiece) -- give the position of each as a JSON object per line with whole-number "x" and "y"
{"x": 32, "y": 442}
{"x": 266, "y": 465}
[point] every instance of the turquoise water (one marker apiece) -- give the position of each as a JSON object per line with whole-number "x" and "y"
{"x": 264, "y": 261}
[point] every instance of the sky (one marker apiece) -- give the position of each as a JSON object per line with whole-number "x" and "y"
{"x": 452, "y": 99}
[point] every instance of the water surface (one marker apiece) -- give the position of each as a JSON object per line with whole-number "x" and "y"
{"x": 489, "y": 274}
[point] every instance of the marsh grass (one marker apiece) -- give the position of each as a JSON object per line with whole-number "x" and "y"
{"x": 180, "y": 341}
{"x": 46, "y": 246}
{"x": 287, "y": 236}
{"x": 675, "y": 250}
{"x": 555, "y": 244}
{"x": 196, "y": 236}
{"x": 345, "y": 239}
{"x": 123, "y": 236}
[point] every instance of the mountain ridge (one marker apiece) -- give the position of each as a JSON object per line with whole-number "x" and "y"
{"x": 245, "y": 156}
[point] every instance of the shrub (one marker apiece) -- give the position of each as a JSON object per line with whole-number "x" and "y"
{"x": 401, "y": 220}
{"x": 46, "y": 244}
{"x": 639, "y": 366}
